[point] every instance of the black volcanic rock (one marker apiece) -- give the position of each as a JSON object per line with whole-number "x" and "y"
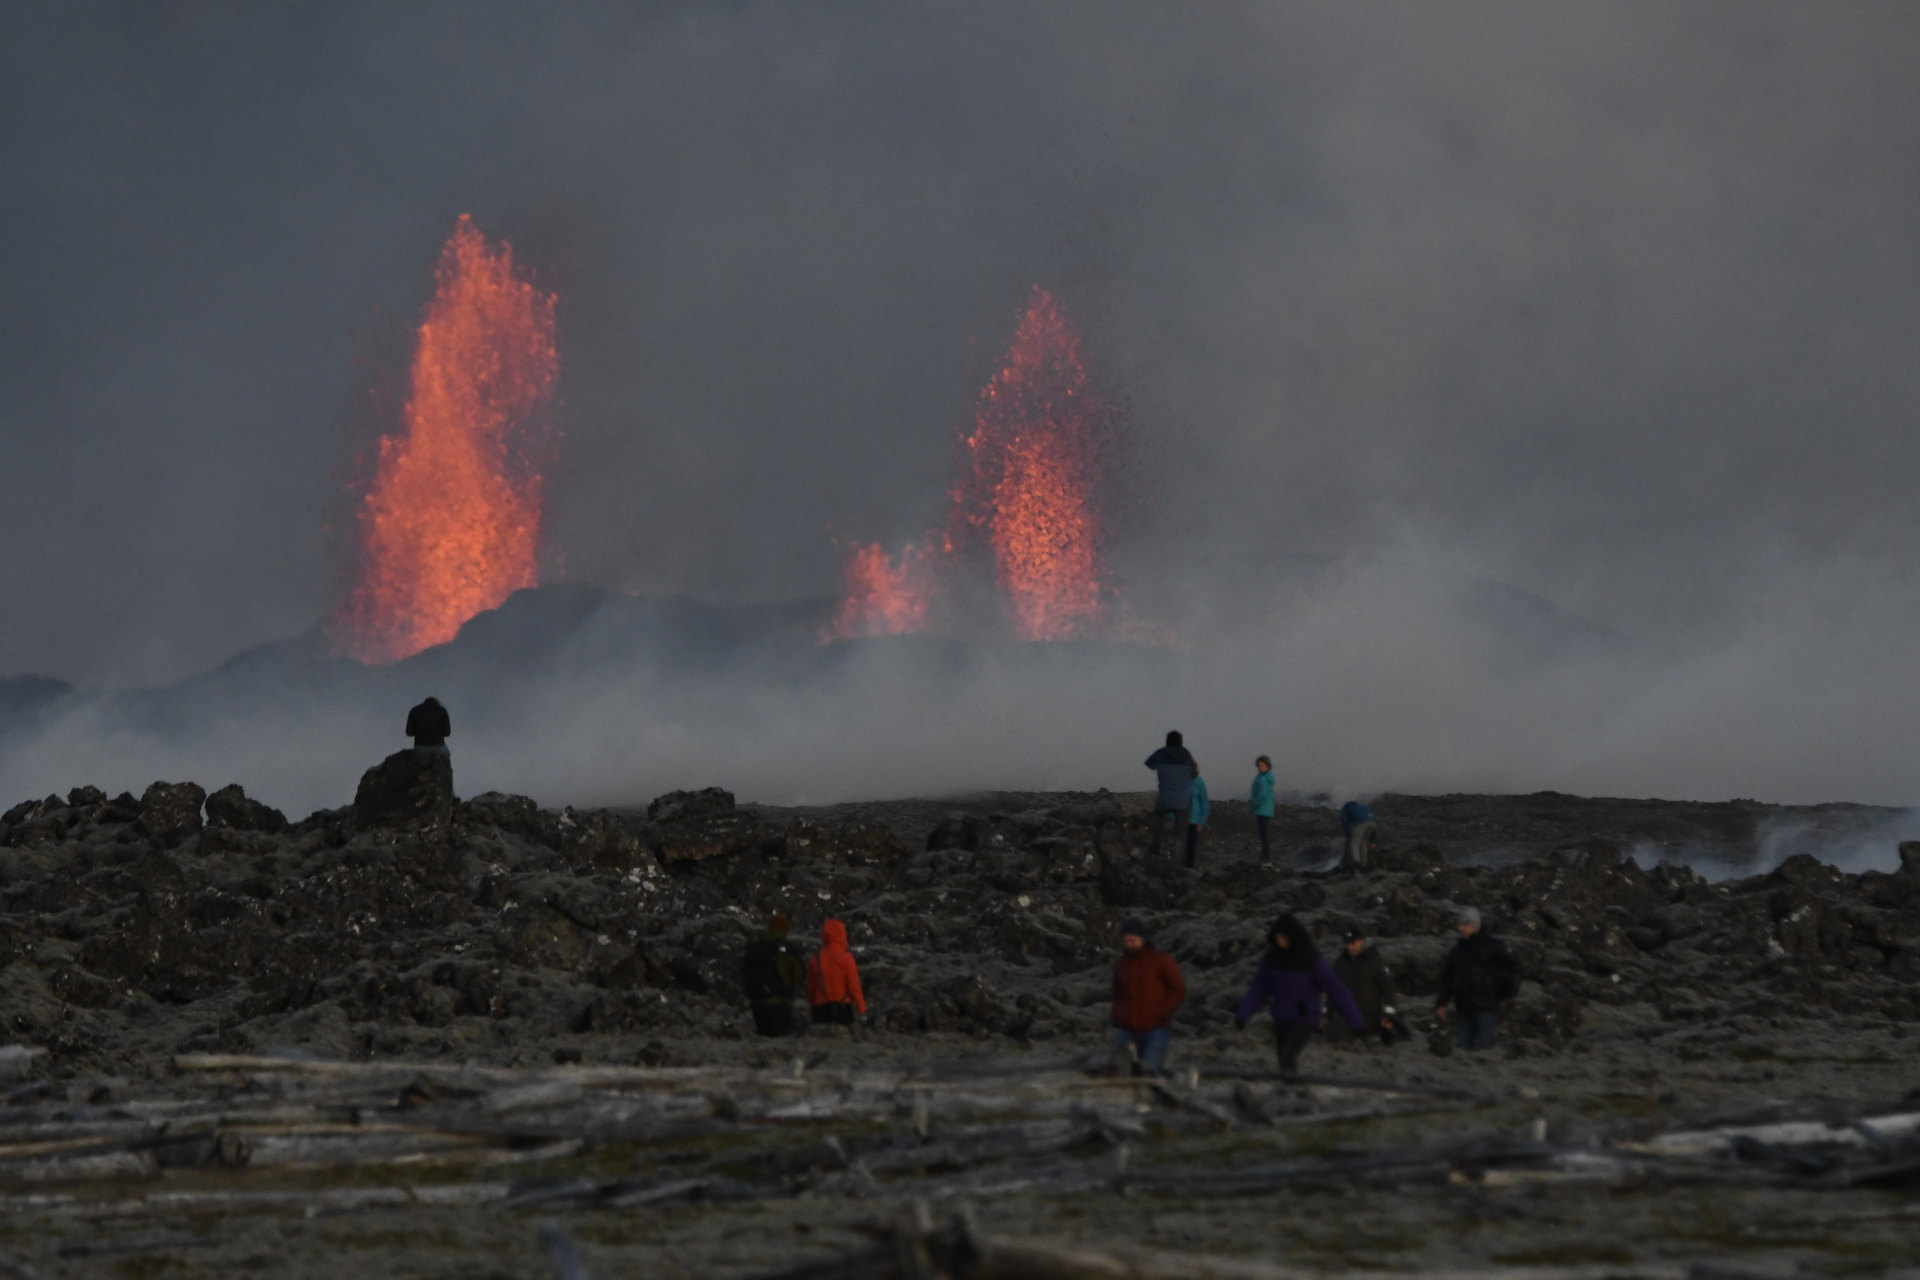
{"x": 170, "y": 812}
{"x": 407, "y": 788}
{"x": 230, "y": 807}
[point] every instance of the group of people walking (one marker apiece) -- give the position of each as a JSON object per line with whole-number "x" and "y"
{"x": 1181, "y": 804}
{"x": 772, "y": 973}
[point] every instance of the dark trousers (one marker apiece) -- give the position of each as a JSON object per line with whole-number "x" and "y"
{"x": 1289, "y": 1038}
{"x": 773, "y": 1019}
{"x": 834, "y": 1015}
{"x": 1475, "y": 1030}
{"x": 1193, "y": 843}
{"x": 1179, "y": 819}
{"x": 1266, "y": 837}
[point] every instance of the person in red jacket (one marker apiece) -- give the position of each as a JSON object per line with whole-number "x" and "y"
{"x": 833, "y": 979}
{"x": 1147, "y": 988}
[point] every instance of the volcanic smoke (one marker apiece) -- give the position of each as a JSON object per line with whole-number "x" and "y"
{"x": 450, "y": 523}
{"x": 1031, "y": 474}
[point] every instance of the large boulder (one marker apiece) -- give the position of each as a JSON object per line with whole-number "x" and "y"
{"x": 170, "y": 812}
{"x": 230, "y": 807}
{"x": 407, "y": 788}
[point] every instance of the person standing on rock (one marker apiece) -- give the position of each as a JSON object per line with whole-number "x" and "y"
{"x": 1363, "y": 970}
{"x": 1175, "y": 769}
{"x": 1290, "y": 982}
{"x": 1356, "y": 823}
{"x": 1147, "y": 988}
{"x": 1260, "y": 800}
{"x": 771, "y": 972}
{"x": 1480, "y": 974}
{"x": 833, "y": 980}
{"x": 428, "y": 726}
{"x": 1196, "y": 818}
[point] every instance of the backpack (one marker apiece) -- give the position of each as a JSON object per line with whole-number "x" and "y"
{"x": 760, "y": 974}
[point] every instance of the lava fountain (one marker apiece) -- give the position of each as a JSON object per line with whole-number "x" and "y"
{"x": 449, "y": 525}
{"x": 884, "y": 596}
{"x": 1031, "y": 479}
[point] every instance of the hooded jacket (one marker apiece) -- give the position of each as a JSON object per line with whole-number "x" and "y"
{"x": 832, "y": 976}
{"x": 428, "y": 724}
{"x": 1261, "y": 797}
{"x": 1197, "y": 815}
{"x": 1291, "y": 980}
{"x": 1173, "y": 767}
{"x": 1147, "y": 988}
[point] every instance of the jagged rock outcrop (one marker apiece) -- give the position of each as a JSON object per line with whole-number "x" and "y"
{"x": 408, "y": 788}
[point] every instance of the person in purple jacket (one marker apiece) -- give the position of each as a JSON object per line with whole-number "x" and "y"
{"x": 1290, "y": 981}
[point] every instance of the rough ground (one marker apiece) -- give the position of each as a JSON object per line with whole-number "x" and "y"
{"x": 140, "y": 942}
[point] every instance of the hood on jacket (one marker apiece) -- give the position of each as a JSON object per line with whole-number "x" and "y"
{"x": 1298, "y": 955}
{"x": 833, "y": 935}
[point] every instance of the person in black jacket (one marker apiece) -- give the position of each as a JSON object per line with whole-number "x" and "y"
{"x": 1480, "y": 974}
{"x": 428, "y": 726}
{"x": 1174, "y": 771}
{"x": 1364, "y": 971}
{"x": 772, "y": 971}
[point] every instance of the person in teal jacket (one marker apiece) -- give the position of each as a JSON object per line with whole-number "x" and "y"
{"x": 1196, "y": 817}
{"x": 1260, "y": 800}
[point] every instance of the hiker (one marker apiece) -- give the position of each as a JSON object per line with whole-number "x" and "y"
{"x": 771, "y": 971}
{"x": 1196, "y": 818}
{"x": 1147, "y": 988}
{"x": 428, "y": 726}
{"x": 1260, "y": 800}
{"x": 833, "y": 980}
{"x": 1174, "y": 766}
{"x": 1363, "y": 971}
{"x": 1290, "y": 981}
{"x": 1480, "y": 974}
{"x": 1356, "y": 823}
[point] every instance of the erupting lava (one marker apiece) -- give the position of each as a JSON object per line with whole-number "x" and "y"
{"x": 1032, "y": 471}
{"x": 1031, "y": 486}
{"x": 884, "y": 598}
{"x": 450, "y": 524}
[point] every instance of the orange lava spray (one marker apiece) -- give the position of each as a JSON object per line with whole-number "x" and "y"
{"x": 449, "y": 525}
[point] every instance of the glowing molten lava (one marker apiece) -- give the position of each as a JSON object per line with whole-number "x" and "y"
{"x": 1032, "y": 479}
{"x": 450, "y": 524}
{"x": 883, "y": 598}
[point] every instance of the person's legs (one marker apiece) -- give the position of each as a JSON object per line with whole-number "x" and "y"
{"x": 1153, "y": 844}
{"x": 1180, "y": 826}
{"x": 1485, "y": 1027}
{"x": 1288, "y": 1040}
{"x": 1153, "y": 1048}
{"x": 1266, "y": 840}
{"x": 1462, "y": 1029}
{"x": 1360, "y": 843}
{"x": 1193, "y": 844}
{"x": 773, "y": 1019}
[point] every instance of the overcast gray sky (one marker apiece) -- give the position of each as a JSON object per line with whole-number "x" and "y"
{"x": 1613, "y": 302}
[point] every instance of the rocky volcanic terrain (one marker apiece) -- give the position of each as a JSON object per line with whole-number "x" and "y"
{"x": 249, "y": 1044}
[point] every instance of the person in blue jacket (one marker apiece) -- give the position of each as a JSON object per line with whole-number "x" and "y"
{"x": 1196, "y": 817}
{"x": 1290, "y": 981}
{"x": 1356, "y": 823}
{"x": 1260, "y": 800}
{"x": 1174, "y": 769}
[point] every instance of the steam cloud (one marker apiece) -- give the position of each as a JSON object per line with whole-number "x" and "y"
{"x": 1424, "y": 319}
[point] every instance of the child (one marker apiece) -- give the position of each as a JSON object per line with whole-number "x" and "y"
{"x": 1196, "y": 817}
{"x": 1261, "y": 802}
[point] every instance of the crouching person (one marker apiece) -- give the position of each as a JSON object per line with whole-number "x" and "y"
{"x": 833, "y": 980}
{"x": 1290, "y": 982}
{"x": 1147, "y": 988}
{"x": 771, "y": 972}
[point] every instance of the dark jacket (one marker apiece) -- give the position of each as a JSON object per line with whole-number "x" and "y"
{"x": 1293, "y": 995}
{"x": 428, "y": 725}
{"x": 1147, "y": 988}
{"x": 1174, "y": 768}
{"x": 1352, "y": 814}
{"x": 1367, "y": 977}
{"x": 771, "y": 971}
{"x": 1480, "y": 972}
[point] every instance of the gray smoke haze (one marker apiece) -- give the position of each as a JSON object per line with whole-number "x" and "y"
{"x": 1613, "y": 305}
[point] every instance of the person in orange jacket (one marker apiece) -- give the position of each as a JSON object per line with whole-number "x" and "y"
{"x": 833, "y": 979}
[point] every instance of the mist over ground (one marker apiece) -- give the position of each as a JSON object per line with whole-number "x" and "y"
{"x": 1521, "y": 398}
